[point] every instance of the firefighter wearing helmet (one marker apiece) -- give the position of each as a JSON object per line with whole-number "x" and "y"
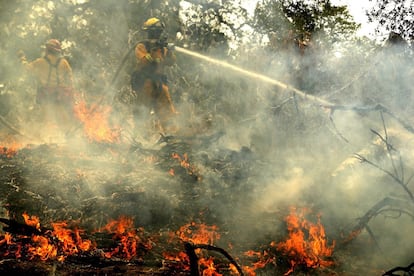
{"x": 149, "y": 80}
{"x": 54, "y": 80}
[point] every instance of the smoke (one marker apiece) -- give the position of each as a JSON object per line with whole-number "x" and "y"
{"x": 274, "y": 148}
{"x": 309, "y": 149}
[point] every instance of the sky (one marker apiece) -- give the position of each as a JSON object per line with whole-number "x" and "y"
{"x": 357, "y": 9}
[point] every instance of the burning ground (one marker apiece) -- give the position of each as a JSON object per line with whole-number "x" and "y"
{"x": 103, "y": 202}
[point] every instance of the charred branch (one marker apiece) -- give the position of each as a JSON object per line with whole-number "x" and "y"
{"x": 397, "y": 173}
{"x": 363, "y": 109}
{"x": 392, "y": 175}
{"x": 376, "y": 210}
{"x": 190, "y": 250}
{"x": 15, "y": 227}
{"x": 409, "y": 270}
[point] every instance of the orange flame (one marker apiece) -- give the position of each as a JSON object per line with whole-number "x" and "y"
{"x": 263, "y": 260}
{"x": 210, "y": 269}
{"x": 184, "y": 163}
{"x": 52, "y": 244}
{"x": 128, "y": 237}
{"x": 183, "y": 160}
{"x": 71, "y": 241}
{"x": 61, "y": 242}
{"x": 31, "y": 221}
{"x": 42, "y": 248}
{"x": 196, "y": 233}
{"x": 10, "y": 149}
{"x": 7, "y": 239}
{"x": 307, "y": 242}
{"x": 96, "y": 124}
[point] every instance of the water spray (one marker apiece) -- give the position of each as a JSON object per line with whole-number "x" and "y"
{"x": 322, "y": 102}
{"x": 255, "y": 76}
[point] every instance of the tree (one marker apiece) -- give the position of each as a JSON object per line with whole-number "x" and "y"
{"x": 300, "y": 32}
{"x": 212, "y": 25}
{"x": 393, "y": 16}
{"x": 297, "y": 20}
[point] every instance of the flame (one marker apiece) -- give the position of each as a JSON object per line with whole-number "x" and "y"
{"x": 10, "y": 149}
{"x": 307, "y": 243}
{"x": 42, "y": 248}
{"x": 196, "y": 233}
{"x": 31, "y": 221}
{"x": 95, "y": 122}
{"x": 71, "y": 241}
{"x": 263, "y": 259}
{"x": 183, "y": 160}
{"x": 61, "y": 242}
{"x": 210, "y": 269}
{"x": 7, "y": 239}
{"x": 128, "y": 237}
{"x": 54, "y": 244}
{"x": 171, "y": 172}
{"x": 185, "y": 164}
{"x": 180, "y": 258}
{"x": 352, "y": 235}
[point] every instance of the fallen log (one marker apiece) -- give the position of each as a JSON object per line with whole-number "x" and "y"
{"x": 15, "y": 227}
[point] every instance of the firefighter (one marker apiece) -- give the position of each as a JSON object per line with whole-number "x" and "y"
{"x": 149, "y": 80}
{"x": 54, "y": 79}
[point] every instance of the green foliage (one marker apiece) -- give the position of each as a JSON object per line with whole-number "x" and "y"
{"x": 211, "y": 25}
{"x": 316, "y": 18}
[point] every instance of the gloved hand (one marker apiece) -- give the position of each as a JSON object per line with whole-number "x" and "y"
{"x": 149, "y": 58}
{"x": 171, "y": 47}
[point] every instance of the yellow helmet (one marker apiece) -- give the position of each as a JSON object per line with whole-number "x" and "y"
{"x": 153, "y": 23}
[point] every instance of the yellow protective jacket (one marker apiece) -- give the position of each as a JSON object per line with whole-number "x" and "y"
{"x": 150, "y": 80}
{"x": 150, "y": 74}
{"x": 152, "y": 59}
{"x": 54, "y": 78}
{"x": 51, "y": 71}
